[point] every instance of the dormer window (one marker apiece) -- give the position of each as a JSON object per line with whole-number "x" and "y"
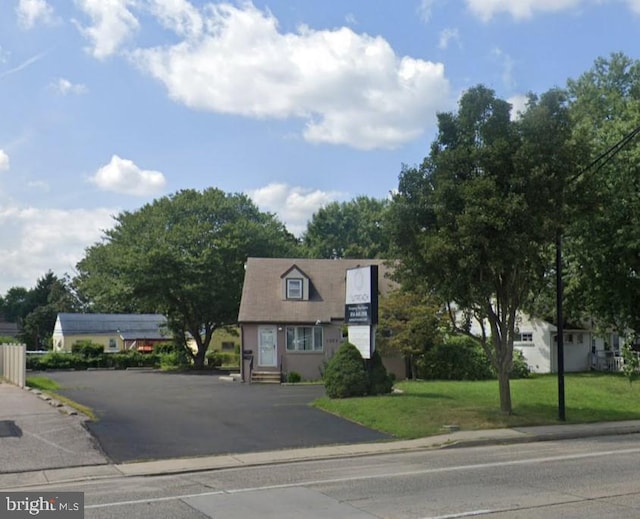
{"x": 294, "y": 288}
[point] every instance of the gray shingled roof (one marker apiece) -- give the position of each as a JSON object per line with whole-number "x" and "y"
{"x": 262, "y": 300}
{"x": 129, "y": 326}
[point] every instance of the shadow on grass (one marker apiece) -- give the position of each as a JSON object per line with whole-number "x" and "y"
{"x": 548, "y": 414}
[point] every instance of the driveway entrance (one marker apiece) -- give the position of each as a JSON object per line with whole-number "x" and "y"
{"x": 157, "y": 415}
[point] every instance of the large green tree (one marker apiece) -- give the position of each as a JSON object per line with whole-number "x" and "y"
{"x": 604, "y": 244}
{"x": 183, "y": 256}
{"x": 352, "y": 229}
{"x": 35, "y": 310}
{"x": 475, "y": 222}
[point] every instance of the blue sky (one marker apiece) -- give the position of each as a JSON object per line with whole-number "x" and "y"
{"x": 108, "y": 104}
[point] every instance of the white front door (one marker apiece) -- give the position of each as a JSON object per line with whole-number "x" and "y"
{"x": 267, "y": 346}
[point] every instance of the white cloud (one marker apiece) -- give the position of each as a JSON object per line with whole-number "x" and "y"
{"x": 30, "y": 12}
{"x": 178, "y": 15}
{"x": 448, "y": 35}
{"x": 4, "y": 161}
{"x": 634, "y": 5}
{"x": 112, "y": 23}
{"x": 124, "y": 176}
{"x": 64, "y": 86}
{"x": 293, "y": 205}
{"x": 507, "y": 64}
{"x": 349, "y": 88}
{"x": 518, "y": 105}
{"x": 33, "y": 241}
{"x": 519, "y": 9}
{"x": 425, "y": 8}
{"x": 351, "y": 19}
{"x": 4, "y": 55}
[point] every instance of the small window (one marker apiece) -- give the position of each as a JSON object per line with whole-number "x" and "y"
{"x": 228, "y": 346}
{"x": 294, "y": 289}
{"x": 112, "y": 344}
{"x": 524, "y": 337}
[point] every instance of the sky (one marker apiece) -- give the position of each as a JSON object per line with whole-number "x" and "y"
{"x": 106, "y": 105}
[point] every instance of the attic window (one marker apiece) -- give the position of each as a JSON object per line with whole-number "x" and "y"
{"x": 294, "y": 288}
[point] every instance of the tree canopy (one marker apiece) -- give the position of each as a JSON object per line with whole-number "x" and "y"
{"x": 353, "y": 229}
{"x": 604, "y": 241}
{"x": 35, "y": 310}
{"x": 474, "y": 223}
{"x": 183, "y": 256}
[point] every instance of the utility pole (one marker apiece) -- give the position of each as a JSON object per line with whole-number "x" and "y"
{"x": 598, "y": 163}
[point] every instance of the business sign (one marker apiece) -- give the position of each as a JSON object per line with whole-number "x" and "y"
{"x": 361, "y": 301}
{"x": 363, "y": 338}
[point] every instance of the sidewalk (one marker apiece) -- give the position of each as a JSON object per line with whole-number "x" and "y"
{"x": 56, "y": 448}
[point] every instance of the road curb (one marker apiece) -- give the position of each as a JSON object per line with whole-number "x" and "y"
{"x": 323, "y": 453}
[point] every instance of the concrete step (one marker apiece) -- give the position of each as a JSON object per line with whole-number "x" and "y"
{"x": 266, "y": 377}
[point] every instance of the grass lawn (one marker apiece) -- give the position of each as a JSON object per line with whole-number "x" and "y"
{"x": 46, "y": 385}
{"x": 426, "y": 406}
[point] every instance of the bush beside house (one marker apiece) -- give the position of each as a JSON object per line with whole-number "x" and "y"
{"x": 346, "y": 374}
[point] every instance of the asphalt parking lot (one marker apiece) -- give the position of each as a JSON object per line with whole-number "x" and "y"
{"x": 146, "y": 415}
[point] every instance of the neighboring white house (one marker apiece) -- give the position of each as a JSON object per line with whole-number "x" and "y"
{"x": 117, "y": 332}
{"x": 584, "y": 349}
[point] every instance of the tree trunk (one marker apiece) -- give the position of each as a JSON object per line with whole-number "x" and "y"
{"x": 198, "y": 360}
{"x": 505, "y": 391}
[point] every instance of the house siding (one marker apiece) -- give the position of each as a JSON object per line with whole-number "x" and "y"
{"x": 63, "y": 343}
{"x": 309, "y": 364}
{"x": 541, "y": 353}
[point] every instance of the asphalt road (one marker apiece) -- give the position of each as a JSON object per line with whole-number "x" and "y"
{"x": 573, "y": 479}
{"x": 155, "y": 415}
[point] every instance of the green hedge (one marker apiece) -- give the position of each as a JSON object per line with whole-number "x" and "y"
{"x": 460, "y": 358}
{"x": 132, "y": 359}
{"x": 222, "y": 358}
{"x": 87, "y": 349}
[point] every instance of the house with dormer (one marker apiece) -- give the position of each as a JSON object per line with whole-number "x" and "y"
{"x": 292, "y": 315}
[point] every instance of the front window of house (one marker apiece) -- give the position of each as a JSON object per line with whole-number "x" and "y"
{"x": 304, "y": 338}
{"x": 524, "y": 337}
{"x": 294, "y": 289}
{"x": 112, "y": 344}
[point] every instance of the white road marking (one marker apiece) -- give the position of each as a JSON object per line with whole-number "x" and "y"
{"x": 478, "y": 466}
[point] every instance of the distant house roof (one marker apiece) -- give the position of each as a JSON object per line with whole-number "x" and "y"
{"x": 8, "y": 329}
{"x": 262, "y": 295}
{"x": 128, "y": 326}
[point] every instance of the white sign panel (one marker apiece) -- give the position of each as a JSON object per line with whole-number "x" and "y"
{"x": 363, "y": 338}
{"x": 358, "y": 286}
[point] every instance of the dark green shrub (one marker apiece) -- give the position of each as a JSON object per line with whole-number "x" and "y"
{"x": 165, "y": 347}
{"x": 380, "y": 383}
{"x": 293, "y": 377}
{"x": 132, "y": 359}
{"x": 87, "y": 349}
{"x": 173, "y": 360}
{"x": 460, "y": 358}
{"x": 345, "y": 375}
{"x": 34, "y": 362}
{"x": 520, "y": 367}
{"x": 61, "y": 361}
{"x": 222, "y": 358}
